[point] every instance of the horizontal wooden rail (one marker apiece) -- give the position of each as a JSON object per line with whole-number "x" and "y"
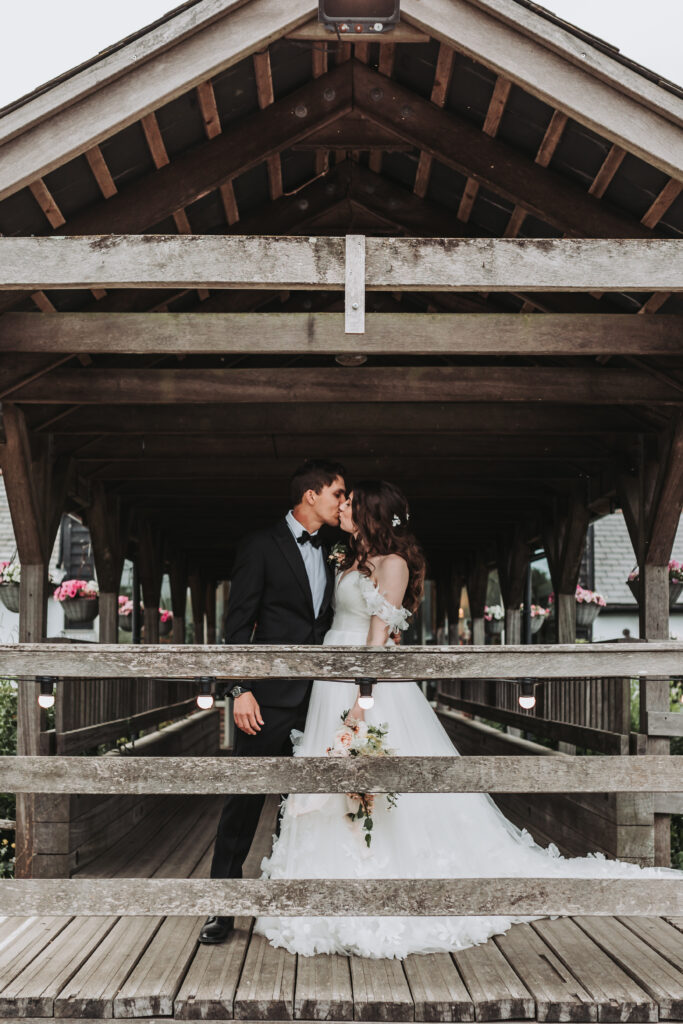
{"x": 582, "y": 735}
{"x": 260, "y": 661}
{"x": 434, "y": 897}
{"x": 415, "y": 264}
{"x": 7, "y": 824}
{"x": 470, "y": 774}
{"x": 75, "y": 740}
{"x": 663, "y": 723}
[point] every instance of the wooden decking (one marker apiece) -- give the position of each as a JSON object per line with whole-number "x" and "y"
{"x": 583, "y": 969}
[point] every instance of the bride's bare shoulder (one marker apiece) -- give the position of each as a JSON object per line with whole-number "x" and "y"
{"x": 391, "y": 569}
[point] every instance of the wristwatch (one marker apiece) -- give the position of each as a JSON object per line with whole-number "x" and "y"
{"x": 237, "y": 691}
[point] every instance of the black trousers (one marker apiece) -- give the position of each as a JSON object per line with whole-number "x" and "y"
{"x": 241, "y": 811}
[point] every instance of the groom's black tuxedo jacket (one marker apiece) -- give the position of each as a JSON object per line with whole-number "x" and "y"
{"x": 269, "y": 589}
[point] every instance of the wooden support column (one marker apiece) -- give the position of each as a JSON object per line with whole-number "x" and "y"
{"x": 652, "y": 502}
{"x": 565, "y": 540}
{"x": 197, "y": 597}
{"x": 455, "y": 585}
{"x": 477, "y": 581}
{"x": 210, "y": 610}
{"x": 513, "y": 562}
{"x": 150, "y": 548}
{"x": 178, "y": 579}
{"x": 35, "y": 482}
{"x": 109, "y": 536}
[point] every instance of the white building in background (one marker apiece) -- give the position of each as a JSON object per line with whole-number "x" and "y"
{"x": 9, "y": 621}
{"x": 613, "y": 560}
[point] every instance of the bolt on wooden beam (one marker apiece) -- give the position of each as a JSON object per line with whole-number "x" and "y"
{"x": 354, "y": 306}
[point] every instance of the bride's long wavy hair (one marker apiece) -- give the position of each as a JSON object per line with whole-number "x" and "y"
{"x": 380, "y": 512}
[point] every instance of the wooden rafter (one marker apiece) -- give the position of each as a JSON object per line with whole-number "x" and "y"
{"x": 209, "y": 110}
{"x": 666, "y": 198}
{"x": 551, "y": 139}
{"x": 214, "y": 163}
{"x": 488, "y": 161}
{"x": 47, "y": 204}
{"x": 609, "y": 168}
{"x": 101, "y": 173}
{"x": 440, "y": 87}
{"x": 143, "y": 76}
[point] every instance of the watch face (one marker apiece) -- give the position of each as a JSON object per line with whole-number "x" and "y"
{"x": 237, "y": 691}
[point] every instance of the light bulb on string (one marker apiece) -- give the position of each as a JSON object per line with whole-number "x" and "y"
{"x": 366, "y": 700}
{"x": 205, "y": 698}
{"x": 527, "y": 699}
{"x": 46, "y": 697}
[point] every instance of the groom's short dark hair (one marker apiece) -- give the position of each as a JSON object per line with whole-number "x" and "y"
{"x": 313, "y": 475}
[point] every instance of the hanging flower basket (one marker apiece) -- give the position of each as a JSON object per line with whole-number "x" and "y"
{"x": 675, "y": 582}
{"x": 80, "y": 609}
{"x": 9, "y": 595}
{"x": 494, "y": 619}
{"x": 586, "y": 614}
{"x": 126, "y": 622}
{"x": 79, "y": 599}
{"x": 165, "y": 622}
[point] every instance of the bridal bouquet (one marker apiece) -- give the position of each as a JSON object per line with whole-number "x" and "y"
{"x": 358, "y": 739}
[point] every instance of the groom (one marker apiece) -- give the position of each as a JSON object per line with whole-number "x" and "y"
{"x": 280, "y": 593}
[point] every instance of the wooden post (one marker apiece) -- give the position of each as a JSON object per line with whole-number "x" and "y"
{"x": 150, "y": 548}
{"x": 36, "y": 483}
{"x": 565, "y": 540}
{"x": 652, "y": 504}
{"x": 178, "y": 578}
{"x": 513, "y": 562}
{"x": 477, "y": 581}
{"x": 210, "y": 606}
{"x": 197, "y": 597}
{"x": 456, "y": 583}
{"x": 109, "y": 534}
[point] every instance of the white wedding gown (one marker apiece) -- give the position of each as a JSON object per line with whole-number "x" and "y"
{"x": 430, "y": 835}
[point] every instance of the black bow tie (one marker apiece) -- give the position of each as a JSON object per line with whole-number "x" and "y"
{"x": 307, "y": 538}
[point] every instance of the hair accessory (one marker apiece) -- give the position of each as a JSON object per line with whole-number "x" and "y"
{"x": 396, "y": 521}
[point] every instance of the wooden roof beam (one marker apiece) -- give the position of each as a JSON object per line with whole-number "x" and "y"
{"x": 490, "y": 162}
{"x": 120, "y": 89}
{"x": 493, "y": 334}
{"x": 449, "y": 418}
{"x": 394, "y": 264}
{"x": 390, "y": 384}
{"x": 215, "y": 163}
{"x": 570, "y": 75}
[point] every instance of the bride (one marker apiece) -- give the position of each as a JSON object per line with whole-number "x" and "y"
{"x": 378, "y": 585}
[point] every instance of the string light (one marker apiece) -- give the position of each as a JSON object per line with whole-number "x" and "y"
{"x": 46, "y": 697}
{"x": 366, "y": 700}
{"x": 205, "y": 698}
{"x": 526, "y": 699}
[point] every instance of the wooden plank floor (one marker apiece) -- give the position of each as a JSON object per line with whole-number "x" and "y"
{"x": 153, "y": 969}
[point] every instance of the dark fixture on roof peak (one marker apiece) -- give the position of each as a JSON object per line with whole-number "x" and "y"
{"x": 358, "y": 17}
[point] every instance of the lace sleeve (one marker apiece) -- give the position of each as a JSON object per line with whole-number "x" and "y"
{"x": 377, "y": 604}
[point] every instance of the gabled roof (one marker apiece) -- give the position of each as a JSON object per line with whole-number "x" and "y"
{"x": 244, "y": 117}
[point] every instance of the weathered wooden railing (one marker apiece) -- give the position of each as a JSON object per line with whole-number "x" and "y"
{"x": 464, "y": 896}
{"x": 590, "y": 713}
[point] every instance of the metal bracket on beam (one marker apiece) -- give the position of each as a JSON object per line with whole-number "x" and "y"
{"x": 354, "y": 298}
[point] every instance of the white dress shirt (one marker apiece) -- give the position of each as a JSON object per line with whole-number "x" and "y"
{"x": 314, "y": 563}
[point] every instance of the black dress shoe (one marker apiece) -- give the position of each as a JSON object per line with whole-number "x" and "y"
{"x": 216, "y": 929}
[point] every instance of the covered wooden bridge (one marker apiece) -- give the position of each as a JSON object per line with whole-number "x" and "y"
{"x": 450, "y": 257}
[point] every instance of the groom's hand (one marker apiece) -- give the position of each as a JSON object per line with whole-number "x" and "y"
{"x": 247, "y": 714}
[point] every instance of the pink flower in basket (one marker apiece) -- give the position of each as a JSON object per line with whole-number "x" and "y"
{"x": 72, "y": 589}
{"x": 165, "y": 614}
